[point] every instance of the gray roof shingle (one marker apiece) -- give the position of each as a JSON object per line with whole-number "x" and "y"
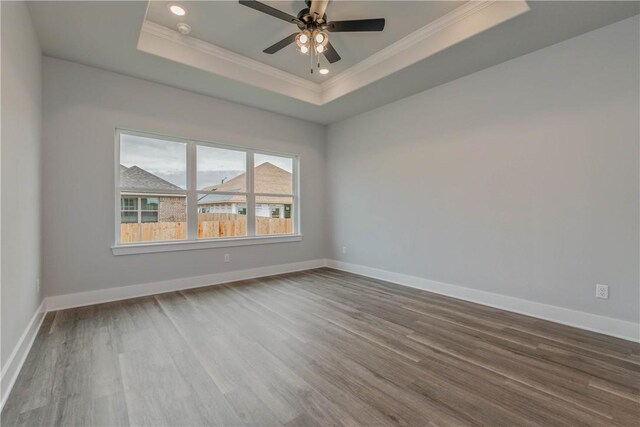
{"x": 135, "y": 177}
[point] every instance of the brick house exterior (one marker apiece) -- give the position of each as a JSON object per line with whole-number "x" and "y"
{"x": 172, "y": 209}
{"x": 138, "y": 206}
{"x": 141, "y": 206}
{"x": 268, "y": 178}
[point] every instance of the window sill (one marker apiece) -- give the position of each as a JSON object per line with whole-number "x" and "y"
{"x": 153, "y": 247}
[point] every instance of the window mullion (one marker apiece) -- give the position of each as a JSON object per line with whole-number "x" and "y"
{"x": 192, "y": 194}
{"x": 251, "y": 197}
{"x": 296, "y": 196}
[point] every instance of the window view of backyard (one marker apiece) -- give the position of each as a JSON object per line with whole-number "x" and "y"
{"x": 154, "y": 196}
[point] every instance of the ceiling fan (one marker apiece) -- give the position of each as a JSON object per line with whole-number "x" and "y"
{"x": 313, "y": 24}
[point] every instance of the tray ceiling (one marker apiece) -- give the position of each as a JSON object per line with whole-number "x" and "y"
{"x": 247, "y": 32}
{"x": 108, "y": 34}
{"x": 227, "y": 40}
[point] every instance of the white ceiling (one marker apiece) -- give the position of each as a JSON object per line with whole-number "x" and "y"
{"x": 248, "y": 32}
{"x": 105, "y": 35}
{"x": 464, "y": 21}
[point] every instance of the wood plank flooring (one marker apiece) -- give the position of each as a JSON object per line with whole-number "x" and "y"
{"x": 319, "y": 348}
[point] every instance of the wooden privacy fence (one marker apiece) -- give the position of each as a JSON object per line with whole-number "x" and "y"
{"x": 151, "y": 231}
{"x": 210, "y": 225}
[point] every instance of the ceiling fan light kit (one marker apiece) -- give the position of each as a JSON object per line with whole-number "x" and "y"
{"x": 303, "y": 39}
{"x": 313, "y": 25}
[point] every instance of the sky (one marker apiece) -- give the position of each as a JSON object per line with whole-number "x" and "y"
{"x": 168, "y": 160}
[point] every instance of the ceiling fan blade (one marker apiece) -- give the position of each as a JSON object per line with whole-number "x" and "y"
{"x": 331, "y": 54}
{"x": 261, "y": 7}
{"x": 356, "y": 25}
{"x": 281, "y": 44}
{"x": 318, "y": 7}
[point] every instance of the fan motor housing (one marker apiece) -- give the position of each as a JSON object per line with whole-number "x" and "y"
{"x": 308, "y": 22}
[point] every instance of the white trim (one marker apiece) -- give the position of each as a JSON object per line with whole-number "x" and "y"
{"x": 167, "y": 43}
{"x": 227, "y": 55}
{"x": 579, "y": 319}
{"x": 152, "y": 192}
{"x": 189, "y": 245}
{"x": 80, "y": 299}
{"x": 606, "y": 325}
{"x": 116, "y": 188}
{"x": 464, "y": 22}
{"x": 19, "y": 354}
{"x": 410, "y": 41}
{"x": 191, "y": 193}
{"x": 251, "y": 197}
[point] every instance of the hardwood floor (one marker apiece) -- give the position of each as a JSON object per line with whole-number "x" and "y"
{"x": 319, "y": 348}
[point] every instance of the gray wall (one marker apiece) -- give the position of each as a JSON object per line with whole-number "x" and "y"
{"x": 82, "y": 106}
{"x": 20, "y": 176}
{"x": 521, "y": 179}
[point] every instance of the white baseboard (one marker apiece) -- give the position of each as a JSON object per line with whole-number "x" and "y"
{"x": 19, "y": 354}
{"x": 592, "y": 322}
{"x": 60, "y": 302}
{"x": 579, "y": 319}
{"x": 12, "y": 368}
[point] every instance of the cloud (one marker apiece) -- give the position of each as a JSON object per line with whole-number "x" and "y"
{"x": 168, "y": 160}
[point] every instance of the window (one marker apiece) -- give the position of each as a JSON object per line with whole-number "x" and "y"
{"x": 149, "y": 209}
{"x": 129, "y": 209}
{"x": 129, "y": 212}
{"x": 273, "y": 177}
{"x": 172, "y": 189}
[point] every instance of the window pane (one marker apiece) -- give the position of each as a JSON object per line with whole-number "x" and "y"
{"x": 150, "y": 203}
{"x": 273, "y": 174}
{"x": 274, "y": 215}
{"x": 152, "y": 164}
{"x": 221, "y": 216}
{"x": 149, "y": 216}
{"x": 129, "y": 203}
{"x": 129, "y": 216}
{"x": 168, "y": 221}
{"x": 221, "y": 169}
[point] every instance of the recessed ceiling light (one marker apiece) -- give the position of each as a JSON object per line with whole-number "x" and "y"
{"x": 183, "y": 28}
{"x": 324, "y": 71}
{"x": 176, "y": 9}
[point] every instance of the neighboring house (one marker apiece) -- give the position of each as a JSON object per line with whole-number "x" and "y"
{"x": 268, "y": 179}
{"x": 137, "y": 206}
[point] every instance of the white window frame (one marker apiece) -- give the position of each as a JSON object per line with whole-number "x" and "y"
{"x": 191, "y": 193}
{"x": 139, "y": 209}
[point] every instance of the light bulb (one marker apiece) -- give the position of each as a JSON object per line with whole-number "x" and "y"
{"x": 320, "y": 48}
{"x": 304, "y": 49}
{"x": 304, "y": 38}
{"x": 319, "y": 38}
{"x": 323, "y": 71}
{"x": 178, "y": 10}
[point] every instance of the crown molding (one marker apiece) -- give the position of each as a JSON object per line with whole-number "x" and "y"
{"x": 165, "y": 42}
{"x": 409, "y": 41}
{"x": 460, "y": 24}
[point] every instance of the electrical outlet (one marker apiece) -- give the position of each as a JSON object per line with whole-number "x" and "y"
{"x": 602, "y": 291}
{"x": 344, "y": 249}
{"x": 227, "y": 258}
